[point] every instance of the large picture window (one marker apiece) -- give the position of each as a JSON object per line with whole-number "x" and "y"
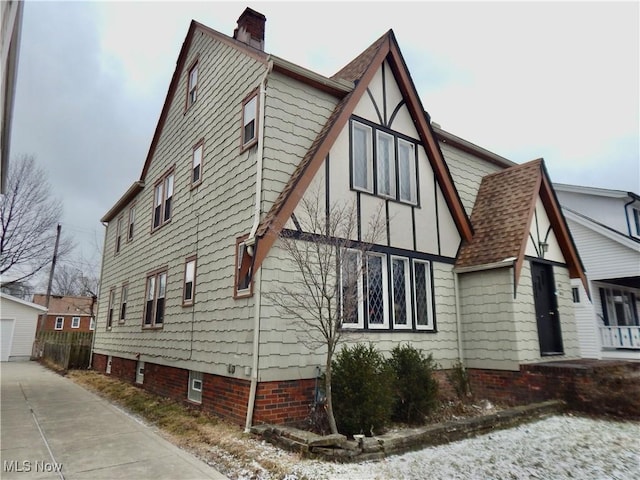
{"x": 366, "y": 290}
{"x": 393, "y": 159}
{"x": 155, "y": 299}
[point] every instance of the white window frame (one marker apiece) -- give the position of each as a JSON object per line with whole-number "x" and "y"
{"x": 189, "y": 277}
{"x": 410, "y": 164}
{"x": 626, "y": 299}
{"x": 75, "y": 322}
{"x": 92, "y": 324}
{"x": 407, "y": 294}
{"x": 122, "y": 314}
{"x": 368, "y": 160}
{"x": 428, "y": 291}
{"x": 196, "y": 384}
{"x": 390, "y": 169}
{"x": 154, "y": 289}
{"x": 360, "y": 314}
{"x": 61, "y": 320}
{"x": 249, "y": 115}
{"x": 197, "y": 156}
{"x": 163, "y": 200}
{"x": 385, "y": 291}
{"x": 131, "y": 223}
{"x": 192, "y": 84}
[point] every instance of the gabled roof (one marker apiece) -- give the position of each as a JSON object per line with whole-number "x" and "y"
{"x": 602, "y": 229}
{"x": 595, "y": 191}
{"x": 360, "y": 71}
{"x": 10, "y": 298}
{"x": 502, "y": 217}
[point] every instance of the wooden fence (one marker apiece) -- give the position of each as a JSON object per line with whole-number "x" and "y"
{"x": 67, "y": 350}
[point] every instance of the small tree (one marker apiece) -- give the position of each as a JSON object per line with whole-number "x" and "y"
{"x": 329, "y": 293}
{"x": 29, "y": 215}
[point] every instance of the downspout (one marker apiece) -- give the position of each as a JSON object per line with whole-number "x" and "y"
{"x": 456, "y": 287}
{"x": 250, "y": 242}
{"x": 626, "y": 214}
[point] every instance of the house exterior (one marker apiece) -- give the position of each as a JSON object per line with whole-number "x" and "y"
{"x": 18, "y": 320}
{"x": 194, "y": 256}
{"x": 66, "y": 313}
{"x": 605, "y": 225}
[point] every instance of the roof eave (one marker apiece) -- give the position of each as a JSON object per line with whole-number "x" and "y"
{"x": 129, "y": 195}
{"x": 339, "y": 87}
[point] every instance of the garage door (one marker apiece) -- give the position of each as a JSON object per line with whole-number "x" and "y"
{"x": 6, "y": 336}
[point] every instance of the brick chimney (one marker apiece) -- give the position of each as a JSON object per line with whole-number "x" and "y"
{"x": 250, "y": 28}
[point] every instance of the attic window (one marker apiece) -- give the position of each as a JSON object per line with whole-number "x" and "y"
{"x": 249, "y": 120}
{"x": 192, "y": 88}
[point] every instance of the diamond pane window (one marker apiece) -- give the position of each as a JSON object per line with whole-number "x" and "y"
{"x": 377, "y": 291}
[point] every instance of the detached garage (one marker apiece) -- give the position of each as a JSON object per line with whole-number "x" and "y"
{"x": 18, "y": 321}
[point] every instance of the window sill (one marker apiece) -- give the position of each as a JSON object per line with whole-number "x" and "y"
{"x": 152, "y": 327}
{"x": 248, "y": 145}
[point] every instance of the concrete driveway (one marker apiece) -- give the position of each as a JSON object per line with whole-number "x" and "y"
{"x": 51, "y": 428}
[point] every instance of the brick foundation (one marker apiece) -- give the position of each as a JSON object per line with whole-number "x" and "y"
{"x": 282, "y": 402}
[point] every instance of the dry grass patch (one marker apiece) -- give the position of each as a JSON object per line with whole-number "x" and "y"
{"x": 220, "y": 444}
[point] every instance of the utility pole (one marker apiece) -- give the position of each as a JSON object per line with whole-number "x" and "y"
{"x": 53, "y": 267}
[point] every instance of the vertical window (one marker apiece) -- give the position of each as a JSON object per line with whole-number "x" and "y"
{"x": 196, "y": 163}
{"x": 249, "y": 120}
{"x": 188, "y": 291}
{"x": 192, "y": 88}
{"x": 636, "y": 220}
{"x": 422, "y": 294}
{"x": 575, "y": 294}
{"x": 361, "y": 157}
{"x": 400, "y": 292}
{"x": 118, "y": 234}
{"x": 59, "y": 323}
{"x": 195, "y": 386}
{"x": 162, "y": 197}
{"x": 243, "y": 283}
{"x": 351, "y": 289}
{"x": 386, "y": 164}
{"x": 377, "y": 291}
{"x": 123, "y": 302}
{"x": 155, "y": 300}
{"x": 112, "y": 301}
{"x": 132, "y": 215}
{"x": 75, "y": 322}
{"x": 407, "y": 171}
{"x": 92, "y": 324}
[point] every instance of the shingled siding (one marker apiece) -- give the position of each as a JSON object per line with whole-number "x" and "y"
{"x": 467, "y": 172}
{"x": 294, "y": 115}
{"x": 285, "y": 349}
{"x": 217, "y": 330}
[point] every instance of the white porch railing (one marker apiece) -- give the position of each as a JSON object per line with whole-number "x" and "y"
{"x": 620, "y": 337}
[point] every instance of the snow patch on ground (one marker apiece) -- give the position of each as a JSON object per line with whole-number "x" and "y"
{"x": 560, "y": 447}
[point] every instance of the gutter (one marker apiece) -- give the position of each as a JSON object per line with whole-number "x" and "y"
{"x": 507, "y": 262}
{"x": 250, "y": 243}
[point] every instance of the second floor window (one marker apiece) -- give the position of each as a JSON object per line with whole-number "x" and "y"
{"x": 163, "y": 194}
{"x": 112, "y": 301}
{"x": 154, "y": 304}
{"x": 118, "y": 234}
{"x": 189, "y": 281}
{"x": 132, "y": 215}
{"x": 123, "y": 302}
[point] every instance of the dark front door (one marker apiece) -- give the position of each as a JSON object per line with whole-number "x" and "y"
{"x": 547, "y": 317}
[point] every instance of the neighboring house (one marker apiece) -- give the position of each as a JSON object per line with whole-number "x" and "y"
{"x": 10, "y": 27}
{"x": 474, "y": 264}
{"x": 605, "y": 225}
{"x": 18, "y": 320}
{"x": 67, "y": 313}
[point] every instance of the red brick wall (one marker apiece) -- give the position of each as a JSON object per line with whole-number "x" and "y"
{"x": 166, "y": 381}
{"x": 283, "y": 402}
{"x": 124, "y": 369}
{"x": 226, "y": 397}
{"x": 99, "y": 363}
{"x": 50, "y": 323}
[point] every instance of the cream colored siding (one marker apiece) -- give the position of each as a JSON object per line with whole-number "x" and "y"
{"x": 540, "y": 224}
{"x": 426, "y": 220}
{"x": 295, "y": 114}
{"x": 467, "y": 172}
{"x": 449, "y": 236}
{"x": 205, "y": 221}
{"x": 487, "y": 316}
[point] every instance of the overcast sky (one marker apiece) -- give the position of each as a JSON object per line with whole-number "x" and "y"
{"x": 524, "y": 80}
